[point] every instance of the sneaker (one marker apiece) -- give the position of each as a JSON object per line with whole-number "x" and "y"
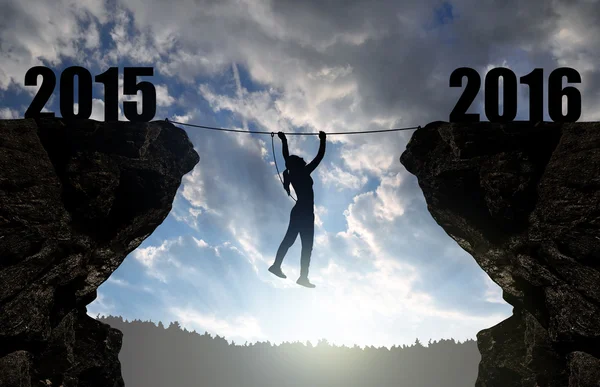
{"x": 305, "y": 282}
{"x": 277, "y": 271}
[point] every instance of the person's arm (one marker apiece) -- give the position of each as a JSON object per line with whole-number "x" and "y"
{"x": 284, "y": 146}
{"x": 315, "y": 163}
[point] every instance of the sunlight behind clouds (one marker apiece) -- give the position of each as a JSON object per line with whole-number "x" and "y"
{"x": 385, "y": 271}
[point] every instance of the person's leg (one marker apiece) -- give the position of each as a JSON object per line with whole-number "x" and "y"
{"x": 307, "y": 234}
{"x": 287, "y": 242}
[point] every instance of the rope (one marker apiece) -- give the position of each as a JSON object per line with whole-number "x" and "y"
{"x": 291, "y": 133}
{"x": 275, "y": 158}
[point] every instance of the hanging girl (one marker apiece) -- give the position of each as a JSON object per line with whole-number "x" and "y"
{"x": 302, "y": 217}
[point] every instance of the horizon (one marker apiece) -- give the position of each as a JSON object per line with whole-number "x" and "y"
{"x": 425, "y": 344}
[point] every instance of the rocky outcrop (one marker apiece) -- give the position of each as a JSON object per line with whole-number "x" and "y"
{"x": 75, "y": 198}
{"x": 524, "y": 200}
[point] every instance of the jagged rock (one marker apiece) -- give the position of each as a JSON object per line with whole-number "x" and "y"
{"x": 524, "y": 200}
{"x": 75, "y": 198}
{"x": 585, "y": 369}
{"x": 519, "y": 353}
{"x": 15, "y": 369}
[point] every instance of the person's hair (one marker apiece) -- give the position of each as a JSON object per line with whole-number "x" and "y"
{"x": 294, "y": 163}
{"x": 286, "y": 181}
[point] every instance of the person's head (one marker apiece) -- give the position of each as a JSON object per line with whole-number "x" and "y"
{"x": 295, "y": 163}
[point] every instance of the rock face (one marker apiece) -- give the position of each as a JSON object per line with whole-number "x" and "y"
{"x": 75, "y": 198}
{"x": 524, "y": 200}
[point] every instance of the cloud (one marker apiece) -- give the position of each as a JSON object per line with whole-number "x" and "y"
{"x": 163, "y": 98}
{"x": 203, "y": 245}
{"x": 183, "y": 118}
{"x": 242, "y": 327}
{"x": 257, "y": 106}
{"x": 28, "y": 38}
{"x": 128, "y": 285}
{"x": 250, "y": 249}
{"x": 118, "y": 281}
{"x": 98, "y": 110}
{"x": 193, "y": 188}
{"x": 183, "y": 212}
{"x": 371, "y": 214}
{"x": 493, "y": 292}
{"x": 139, "y": 47}
{"x": 340, "y": 179}
{"x": 8, "y": 113}
{"x": 319, "y": 211}
{"x": 154, "y": 257}
{"x": 374, "y": 158}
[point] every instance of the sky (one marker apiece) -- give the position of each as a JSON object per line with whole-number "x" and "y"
{"x": 386, "y": 273}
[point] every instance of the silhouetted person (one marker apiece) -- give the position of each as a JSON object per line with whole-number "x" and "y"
{"x": 302, "y": 216}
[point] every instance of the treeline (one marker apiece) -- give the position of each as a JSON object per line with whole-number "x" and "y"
{"x": 155, "y": 356}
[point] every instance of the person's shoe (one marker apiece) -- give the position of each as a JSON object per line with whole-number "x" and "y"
{"x": 277, "y": 271}
{"x": 305, "y": 282}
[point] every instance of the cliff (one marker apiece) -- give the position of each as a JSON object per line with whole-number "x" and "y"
{"x": 75, "y": 198}
{"x": 524, "y": 200}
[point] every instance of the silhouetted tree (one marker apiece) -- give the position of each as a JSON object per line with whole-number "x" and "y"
{"x": 152, "y": 356}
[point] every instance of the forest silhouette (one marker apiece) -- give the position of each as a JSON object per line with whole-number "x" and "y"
{"x": 155, "y": 356}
